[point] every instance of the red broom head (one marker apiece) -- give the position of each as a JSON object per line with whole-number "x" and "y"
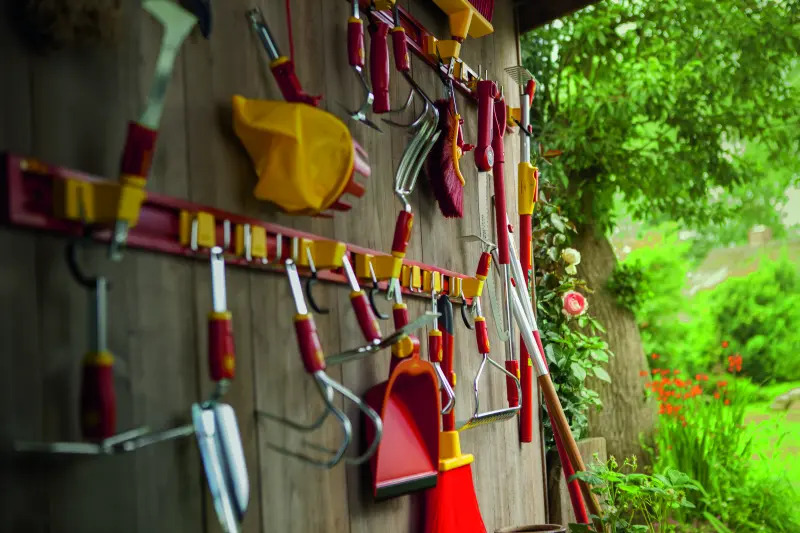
{"x": 452, "y": 506}
{"x": 440, "y": 165}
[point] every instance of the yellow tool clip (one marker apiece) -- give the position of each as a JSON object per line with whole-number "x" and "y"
{"x": 411, "y": 277}
{"x": 258, "y": 241}
{"x": 383, "y": 266}
{"x": 197, "y": 229}
{"x": 431, "y": 282}
{"x": 455, "y": 287}
{"x": 99, "y": 202}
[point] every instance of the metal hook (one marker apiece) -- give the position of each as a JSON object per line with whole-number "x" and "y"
{"x": 372, "y": 292}
{"x": 310, "y": 283}
{"x": 465, "y": 312}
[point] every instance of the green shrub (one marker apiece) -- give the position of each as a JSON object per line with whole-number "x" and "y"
{"x": 759, "y": 315}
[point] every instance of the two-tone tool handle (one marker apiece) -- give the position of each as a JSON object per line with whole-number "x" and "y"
{"x": 304, "y": 327}
{"x": 402, "y": 61}
{"x": 498, "y": 174}
{"x": 355, "y": 39}
{"x": 379, "y": 66}
{"x": 221, "y": 349}
{"x": 98, "y": 401}
{"x": 446, "y": 326}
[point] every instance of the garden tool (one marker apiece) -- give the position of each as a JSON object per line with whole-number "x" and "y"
{"x": 221, "y": 350}
{"x": 436, "y": 354}
{"x": 379, "y": 63}
{"x": 314, "y": 364}
{"x": 526, "y": 321}
{"x": 355, "y": 56}
{"x": 467, "y": 17}
{"x": 527, "y": 190}
{"x": 409, "y": 404}
{"x": 124, "y": 200}
{"x": 281, "y": 66}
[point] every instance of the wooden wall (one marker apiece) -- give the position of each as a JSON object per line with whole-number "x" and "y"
{"x": 70, "y": 108}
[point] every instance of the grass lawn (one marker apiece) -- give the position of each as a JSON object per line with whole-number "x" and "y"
{"x": 776, "y": 434}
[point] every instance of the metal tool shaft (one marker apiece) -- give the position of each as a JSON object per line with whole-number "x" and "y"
{"x": 219, "y": 297}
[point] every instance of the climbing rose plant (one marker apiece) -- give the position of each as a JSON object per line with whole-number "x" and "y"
{"x": 570, "y": 335}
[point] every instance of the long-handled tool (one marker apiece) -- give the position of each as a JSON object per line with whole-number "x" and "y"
{"x": 451, "y": 506}
{"x": 140, "y": 142}
{"x": 355, "y": 56}
{"x": 479, "y": 418}
{"x": 314, "y": 363}
{"x": 305, "y": 158}
{"x": 409, "y": 405}
{"x": 526, "y": 320}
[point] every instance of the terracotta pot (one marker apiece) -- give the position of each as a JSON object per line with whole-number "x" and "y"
{"x": 541, "y": 528}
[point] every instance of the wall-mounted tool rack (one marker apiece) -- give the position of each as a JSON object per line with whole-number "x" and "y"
{"x": 39, "y": 196}
{"x": 418, "y": 39}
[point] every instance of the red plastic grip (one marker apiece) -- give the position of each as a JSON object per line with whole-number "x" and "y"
{"x": 487, "y": 92}
{"x": 221, "y": 350}
{"x": 402, "y": 62}
{"x": 526, "y": 410}
{"x": 355, "y": 43}
{"x": 482, "y": 335}
{"x": 538, "y": 339}
{"x": 137, "y": 155}
{"x": 98, "y": 401}
{"x": 448, "y": 348}
{"x": 290, "y": 85}
{"x": 379, "y": 67}
{"x": 365, "y": 317}
{"x": 400, "y": 315}
{"x": 511, "y": 386}
{"x": 575, "y": 496}
{"x": 308, "y": 342}
{"x": 484, "y": 263}
{"x": 435, "y": 346}
{"x": 501, "y": 217}
{"x": 530, "y": 90}
{"x": 402, "y": 233}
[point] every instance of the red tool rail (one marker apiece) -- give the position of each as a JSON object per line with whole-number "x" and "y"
{"x": 416, "y": 34}
{"x": 28, "y": 193}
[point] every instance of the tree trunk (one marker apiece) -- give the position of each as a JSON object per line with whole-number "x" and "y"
{"x": 626, "y": 413}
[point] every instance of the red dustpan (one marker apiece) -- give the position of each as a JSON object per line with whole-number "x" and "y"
{"x": 407, "y": 459}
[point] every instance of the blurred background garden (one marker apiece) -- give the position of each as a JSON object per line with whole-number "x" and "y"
{"x": 668, "y": 141}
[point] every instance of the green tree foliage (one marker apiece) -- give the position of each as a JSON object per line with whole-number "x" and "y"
{"x": 658, "y": 100}
{"x": 759, "y": 315}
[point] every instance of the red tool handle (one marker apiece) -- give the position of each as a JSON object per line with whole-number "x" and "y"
{"x": 355, "y": 42}
{"x": 435, "y": 346}
{"x": 530, "y": 90}
{"x": 512, "y": 393}
{"x": 402, "y": 61}
{"x": 482, "y": 335}
{"x": 484, "y": 263}
{"x": 137, "y": 155}
{"x": 98, "y": 399}
{"x": 402, "y": 233}
{"x": 575, "y": 496}
{"x": 445, "y": 319}
{"x": 501, "y": 218}
{"x": 365, "y": 317}
{"x": 487, "y": 92}
{"x": 400, "y": 315}
{"x": 308, "y": 342}
{"x": 379, "y": 67}
{"x": 292, "y": 91}
{"x": 526, "y": 367}
{"x": 221, "y": 350}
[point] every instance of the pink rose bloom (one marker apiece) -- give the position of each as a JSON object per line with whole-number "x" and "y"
{"x": 574, "y": 303}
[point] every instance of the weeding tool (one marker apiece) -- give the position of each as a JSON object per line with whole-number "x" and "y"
{"x": 314, "y": 363}
{"x": 355, "y": 55}
{"x": 409, "y": 404}
{"x": 512, "y": 381}
{"x": 140, "y": 142}
{"x": 281, "y": 66}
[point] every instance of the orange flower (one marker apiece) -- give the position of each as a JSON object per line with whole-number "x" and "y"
{"x": 722, "y": 384}
{"x": 696, "y": 390}
{"x": 643, "y": 373}
{"x": 680, "y": 383}
{"x": 676, "y": 371}
{"x": 656, "y": 371}
{"x": 661, "y": 409}
{"x": 716, "y": 396}
{"x": 665, "y": 372}
{"x": 727, "y": 401}
{"x": 724, "y": 344}
{"x": 654, "y": 356}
